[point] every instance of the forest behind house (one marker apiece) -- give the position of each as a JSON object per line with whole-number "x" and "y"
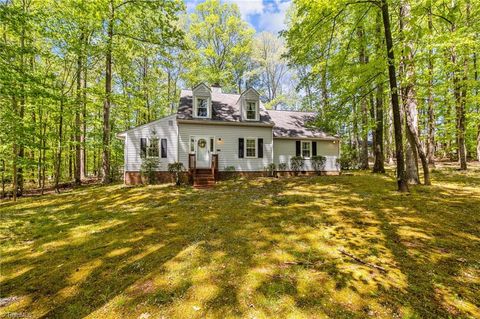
{"x": 397, "y": 80}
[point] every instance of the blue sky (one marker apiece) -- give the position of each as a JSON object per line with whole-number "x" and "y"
{"x": 263, "y": 15}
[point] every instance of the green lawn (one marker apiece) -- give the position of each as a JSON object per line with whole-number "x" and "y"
{"x": 256, "y": 249}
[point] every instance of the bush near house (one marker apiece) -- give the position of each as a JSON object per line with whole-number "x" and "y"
{"x": 297, "y": 163}
{"x": 176, "y": 170}
{"x": 149, "y": 169}
{"x": 318, "y": 163}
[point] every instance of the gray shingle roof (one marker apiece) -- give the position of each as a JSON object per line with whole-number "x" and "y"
{"x": 294, "y": 124}
{"x": 226, "y": 108}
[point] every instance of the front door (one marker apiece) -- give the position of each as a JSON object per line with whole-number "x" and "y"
{"x": 203, "y": 152}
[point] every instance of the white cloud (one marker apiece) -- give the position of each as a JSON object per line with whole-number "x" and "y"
{"x": 249, "y": 7}
{"x": 274, "y": 21}
{"x": 264, "y": 15}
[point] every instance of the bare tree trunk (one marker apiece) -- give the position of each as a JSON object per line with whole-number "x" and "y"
{"x": 83, "y": 145}
{"x": 3, "y": 178}
{"x": 401, "y": 180}
{"x": 78, "y": 128}
{"x": 410, "y": 103}
{"x": 106, "y": 105}
{"x": 431, "y": 112}
{"x": 58, "y": 155}
{"x": 363, "y": 103}
{"x": 378, "y": 166}
{"x": 478, "y": 104}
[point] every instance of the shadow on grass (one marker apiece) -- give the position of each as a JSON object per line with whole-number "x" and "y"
{"x": 245, "y": 248}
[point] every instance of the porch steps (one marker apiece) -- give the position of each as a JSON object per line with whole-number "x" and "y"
{"x": 203, "y": 178}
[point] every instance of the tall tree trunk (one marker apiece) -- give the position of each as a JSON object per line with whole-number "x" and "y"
{"x": 411, "y": 155}
{"x": 78, "y": 124}
{"x": 431, "y": 112}
{"x": 58, "y": 155}
{"x": 83, "y": 145}
{"x": 106, "y": 178}
{"x": 363, "y": 103}
{"x": 410, "y": 103}
{"x": 475, "y": 75}
{"x": 378, "y": 166}
{"x": 401, "y": 180}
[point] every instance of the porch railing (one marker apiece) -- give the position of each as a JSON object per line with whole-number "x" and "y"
{"x": 192, "y": 166}
{"x": 215, "y": 166}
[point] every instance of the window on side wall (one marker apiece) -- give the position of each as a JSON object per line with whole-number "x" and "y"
{"x": 202, "y": 107}
{"x": 306, "y": 149}
{"x": 251, "y": 110}
{"x": 250, "y": 147}
{"x": 153, "y": 149}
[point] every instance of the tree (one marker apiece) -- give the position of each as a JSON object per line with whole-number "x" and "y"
{"x": 271, "y": 65}
{"x": 221, "y": 42}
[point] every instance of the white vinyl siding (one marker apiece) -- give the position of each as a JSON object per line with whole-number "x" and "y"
{"x": 226, "y": 144}
{"x": 165, "y": 128}
{"x": 284, "y": 150}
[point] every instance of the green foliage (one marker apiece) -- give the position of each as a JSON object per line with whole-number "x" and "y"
{"x": 149, "y": 169}
{"x": 318, "y": 163}
{"x": 348, "y": 160}
{"x": 282, "y": 166}
{"x": 297, "y": 163}
{"x": 221, "y": 44}
{"x": 271, "y": 170}
{"x": 176, "y": 169}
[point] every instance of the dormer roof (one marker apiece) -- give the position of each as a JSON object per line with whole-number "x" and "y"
{"x": 225, "y": 108}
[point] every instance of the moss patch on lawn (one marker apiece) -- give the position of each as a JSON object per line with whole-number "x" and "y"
{"x": 265, "y": 248}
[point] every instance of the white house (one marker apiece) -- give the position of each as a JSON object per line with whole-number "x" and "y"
{"x": 214, "y": 133}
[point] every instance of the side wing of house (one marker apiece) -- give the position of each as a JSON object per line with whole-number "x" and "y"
{"x": 293, "y": 136}
{"x": 158, "y": 139}
{"x": 285, "y": 149}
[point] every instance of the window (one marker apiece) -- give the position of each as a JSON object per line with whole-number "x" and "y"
{"x": 251, "y": 110}
{"x": 306, "y": 149}
{"x": 250, "y": 147}
{"x": 153, "y": 147}
{"x": 192, "y": 144}
{"x": 202, "y": 108}
{"x": 164, "y": 147}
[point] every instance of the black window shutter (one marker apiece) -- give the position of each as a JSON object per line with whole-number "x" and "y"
{"x": 240, "y": 148}
{"x": 260, "y": 148}
{"x": 143, "y": 147}
{"x": 297, "y": 148}
{"x": 164, "y": 148}
{"x": 314, "y": 148}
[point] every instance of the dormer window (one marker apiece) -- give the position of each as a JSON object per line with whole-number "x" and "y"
{"x": 251, "y": 110}
{"x": 202, "y": 107}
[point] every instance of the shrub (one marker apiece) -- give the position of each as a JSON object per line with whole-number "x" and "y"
{"x": 348, "y": 160}
{"x": 149, "y": 168}
{"x": 271, "y": 170}
{"x": 282, "y": 166}
{"x": 176, "y": 169}
{"x": 296, "y": 163}
{"x": 318, "y": 163}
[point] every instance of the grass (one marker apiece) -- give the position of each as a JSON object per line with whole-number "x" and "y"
{"x": 256, "y": 249}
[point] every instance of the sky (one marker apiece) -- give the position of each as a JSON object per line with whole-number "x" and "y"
{"x": 263, "y": 15}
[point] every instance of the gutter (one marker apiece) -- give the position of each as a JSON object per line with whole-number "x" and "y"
{"x": 224, "y": 123}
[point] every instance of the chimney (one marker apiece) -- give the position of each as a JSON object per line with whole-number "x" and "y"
{"x": 216, "y": 88}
